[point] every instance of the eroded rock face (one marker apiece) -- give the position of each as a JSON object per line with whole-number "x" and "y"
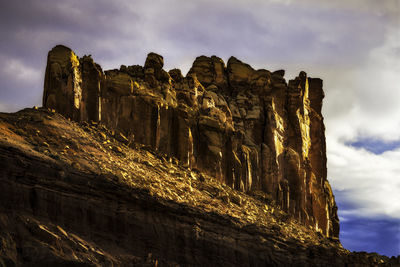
{"x": 249, "y": 128}
{"x": 78, "y": 194}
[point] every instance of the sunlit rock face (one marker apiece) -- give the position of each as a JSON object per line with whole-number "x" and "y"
{"x": 249, "y": 128}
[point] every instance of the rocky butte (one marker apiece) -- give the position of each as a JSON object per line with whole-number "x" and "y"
{"x": 144, "y": 167}
{"x": 248, "y": 128}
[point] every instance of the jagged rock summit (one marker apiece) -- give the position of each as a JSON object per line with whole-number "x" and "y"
{"x": 248, "y": 128}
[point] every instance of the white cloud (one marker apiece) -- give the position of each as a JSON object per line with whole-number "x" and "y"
{"x": 376, "y": 112}
{"x": 16, "y": 69}
{"x": 20, "y": 84}
{"x": 364, "y": 102}
{"x": 371, "y": 182}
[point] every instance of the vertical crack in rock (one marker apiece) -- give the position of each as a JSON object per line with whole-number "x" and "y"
{"x": 249, "y": 128}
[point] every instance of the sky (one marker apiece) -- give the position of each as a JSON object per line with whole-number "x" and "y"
{"x": 353, "y": 45}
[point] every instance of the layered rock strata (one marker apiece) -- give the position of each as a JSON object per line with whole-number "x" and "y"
{"x": 74, "y": 195}
{"x": 248, "y": 128}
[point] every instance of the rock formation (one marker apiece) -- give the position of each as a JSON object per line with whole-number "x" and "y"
{"x": 83, "y": 195}
{"x": 248, "y": 128}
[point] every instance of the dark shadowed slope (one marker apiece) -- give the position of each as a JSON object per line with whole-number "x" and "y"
{"x": 82, "y": 195}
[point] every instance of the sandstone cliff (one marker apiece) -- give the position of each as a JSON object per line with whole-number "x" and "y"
{"x": 248, "y": 128}
{"x": 82, "y": 195}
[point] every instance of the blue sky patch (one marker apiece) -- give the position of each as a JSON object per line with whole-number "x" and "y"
{"x": 371, "y": 235}
{"x": 375, "y": 146}
{"x": 357, "y": 233}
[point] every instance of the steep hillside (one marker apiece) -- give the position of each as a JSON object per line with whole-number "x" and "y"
{"x": 80, "y": 194}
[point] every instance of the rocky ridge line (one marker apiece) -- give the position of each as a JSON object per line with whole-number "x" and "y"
{"x": 248, "y": 128}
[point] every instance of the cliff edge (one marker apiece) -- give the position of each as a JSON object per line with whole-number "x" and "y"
{"x": 250, "y": 129}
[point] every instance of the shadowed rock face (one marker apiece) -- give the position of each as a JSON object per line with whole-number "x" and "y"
{"x": 248, "y": 128}
{"x": 79, "y": 194}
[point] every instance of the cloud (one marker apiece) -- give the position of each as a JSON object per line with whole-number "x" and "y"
{"x": 20, "y": 84}
{"x": 364, "y": 101}
{"x": 363, "y": 116}
{"x": 370, "y": 182}
{"x": 21, "y": 72}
